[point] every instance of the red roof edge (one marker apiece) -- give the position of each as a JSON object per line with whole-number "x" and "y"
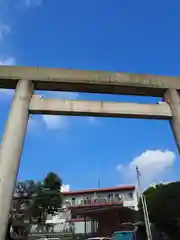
{"x": 112, "y": 189}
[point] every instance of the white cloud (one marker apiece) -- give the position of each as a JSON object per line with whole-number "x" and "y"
{"x": 152, "y": 164}
{"x": 54, "y": 122}
{"x": 65, "y": 188}
{"x": 10, "y": 61}
{"x": 119, "y": 167}
{"x": 51, "y": 122}
{"x": 29, "y": 3}
{"x": 32, "y": 123}
{"x": 6, "y": 92}
{"x": 4, "y": 30}
{"x": 92, "y": 120}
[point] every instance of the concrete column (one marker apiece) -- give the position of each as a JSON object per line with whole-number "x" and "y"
{"x": 173, "y": 99}
{"x": 11, "y": 148}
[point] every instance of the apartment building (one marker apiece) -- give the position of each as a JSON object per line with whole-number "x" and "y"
{"x": 77, "y": 203}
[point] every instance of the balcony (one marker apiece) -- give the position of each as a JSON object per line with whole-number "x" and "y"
{"x": 94, "y": 202}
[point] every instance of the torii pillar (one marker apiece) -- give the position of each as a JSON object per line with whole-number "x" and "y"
{"x": 11, "y": 149}
{"x": 173, "y": 99}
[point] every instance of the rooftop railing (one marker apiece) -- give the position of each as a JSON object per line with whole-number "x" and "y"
{"x": 95, "y": 201}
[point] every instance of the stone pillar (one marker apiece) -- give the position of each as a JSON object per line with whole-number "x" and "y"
{"x": 11, "y": 148}
{"x": 173, "y": 99}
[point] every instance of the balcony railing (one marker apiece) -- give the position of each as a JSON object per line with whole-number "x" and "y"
{"x": 95, "y": 202}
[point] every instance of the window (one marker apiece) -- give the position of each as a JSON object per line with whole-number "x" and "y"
{"x": 14, "y": 205}
{"x": 117, "y": 195}
{"x": 130, "y": 194}
{"x": 110, "y": 195}
{"x": 73, "y": 200}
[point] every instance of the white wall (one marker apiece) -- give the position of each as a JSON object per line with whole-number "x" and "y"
{"x": 133, "y": 202}
{"x": 128, "y": 200}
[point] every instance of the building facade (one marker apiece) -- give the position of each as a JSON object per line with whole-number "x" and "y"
{"x": 125, "y": 195}
{"x": 88, "y": 212}
{"x": 68, "y": 218}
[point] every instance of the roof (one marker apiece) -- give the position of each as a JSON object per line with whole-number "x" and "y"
{"x": 97, "y": 190}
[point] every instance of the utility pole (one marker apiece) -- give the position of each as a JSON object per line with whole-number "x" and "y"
{"x": 144, "y": 206}
{"x": 98, "y": 183}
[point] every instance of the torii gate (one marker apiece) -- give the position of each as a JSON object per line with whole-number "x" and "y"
{"x": 26, "y": 79}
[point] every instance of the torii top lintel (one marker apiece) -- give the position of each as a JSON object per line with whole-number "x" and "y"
{"x": 88, "y": 81}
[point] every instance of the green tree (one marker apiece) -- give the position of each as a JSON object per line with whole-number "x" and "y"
{"x": 48, "y": 198}
{"x": 163, "y": 203}
{"x": 21, "y": 203}
{"x": 150, "y": 193}
{"x": 34, "y": 200}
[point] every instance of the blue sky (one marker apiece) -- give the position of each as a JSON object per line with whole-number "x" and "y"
{"x": 113, "y": 35}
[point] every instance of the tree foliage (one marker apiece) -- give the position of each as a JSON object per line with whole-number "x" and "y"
{"x": 34, "y": 200}
{"x": 163, "y": 203}
{"x": 48, "y": 197}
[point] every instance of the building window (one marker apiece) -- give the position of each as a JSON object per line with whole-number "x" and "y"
{"x": 14, "y": 205}
{"x": 73, "y": 200}
{"x": 130, "y": 194}
{"x": 110, "y": 195}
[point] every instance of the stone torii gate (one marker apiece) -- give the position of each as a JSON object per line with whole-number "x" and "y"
{"x": 26, "y": 79}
